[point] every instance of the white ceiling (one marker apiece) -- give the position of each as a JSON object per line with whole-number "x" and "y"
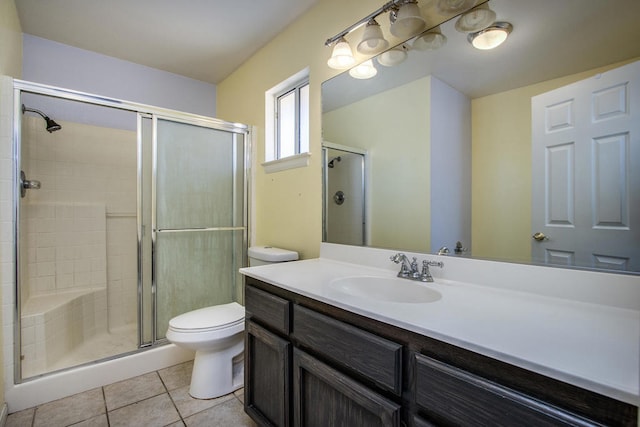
{"x": 201, "y": 39}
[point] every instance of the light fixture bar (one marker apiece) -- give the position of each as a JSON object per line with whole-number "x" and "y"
{"x": 393, "y": 4}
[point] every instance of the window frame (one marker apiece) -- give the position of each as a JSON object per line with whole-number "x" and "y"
{"x": 272, "y": 161}
{"x": 294, "y": 89}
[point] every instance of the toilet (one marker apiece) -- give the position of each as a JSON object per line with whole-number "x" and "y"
{"x": 216, "y": 335}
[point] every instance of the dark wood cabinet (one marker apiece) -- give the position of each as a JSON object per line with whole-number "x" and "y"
{"x": 308, "y": 363}
{"x": 267, "y": 376}
{"x": 323, "y": 396}
{"x": 449, "y": 395}
{"x": 377, "y": 359}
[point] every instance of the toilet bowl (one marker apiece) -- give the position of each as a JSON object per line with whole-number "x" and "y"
{"x": 216, "y": 335}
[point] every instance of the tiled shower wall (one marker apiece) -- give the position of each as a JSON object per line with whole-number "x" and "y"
{"x": 83, "y": 169}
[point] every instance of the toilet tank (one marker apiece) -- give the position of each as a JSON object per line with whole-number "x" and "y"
{"x": 262, "y": 255}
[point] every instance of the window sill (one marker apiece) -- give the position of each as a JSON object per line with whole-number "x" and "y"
{"x": 298, "y": 161}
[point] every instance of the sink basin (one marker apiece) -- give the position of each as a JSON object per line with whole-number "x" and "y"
{"x": 387, "y": 289}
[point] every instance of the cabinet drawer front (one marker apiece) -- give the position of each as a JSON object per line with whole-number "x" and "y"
{"x": 326, "y": 397}
{"x": 269, "y": 309}
{"x": 376, "y": 358}
{"x": 451, "y": 395}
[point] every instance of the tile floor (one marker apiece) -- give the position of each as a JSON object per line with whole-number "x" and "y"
{"x": 158, "y": 398}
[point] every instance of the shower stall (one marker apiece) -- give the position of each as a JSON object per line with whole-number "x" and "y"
{"x": 126, "y": 216}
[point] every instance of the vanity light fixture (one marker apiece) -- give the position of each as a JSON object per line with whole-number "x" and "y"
{"x": 366, "y": 70}
{"x": 476, "y": 19}
{"x": 373, "y": 42}
{"x": 393, "y": 57}
{"x": 406, "y": 21}
{"x": 430, "y": 40}
{"x": 342, "y": 56}
{"x": 491, "y": 37}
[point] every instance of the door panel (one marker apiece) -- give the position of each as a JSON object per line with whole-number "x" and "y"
{"x": 586, "y": 163}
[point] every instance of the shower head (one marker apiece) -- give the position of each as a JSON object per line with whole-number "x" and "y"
{"x": 335, "y": 159}
{"x": 52, "y": 126}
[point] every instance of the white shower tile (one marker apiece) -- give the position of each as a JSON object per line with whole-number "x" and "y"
{"x": 45, "y": 254}
{"x": 45, "y": 240}
{"x": 46, "y": 268}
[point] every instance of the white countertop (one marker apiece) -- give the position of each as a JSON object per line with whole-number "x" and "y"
{"x": 593, "y": 346}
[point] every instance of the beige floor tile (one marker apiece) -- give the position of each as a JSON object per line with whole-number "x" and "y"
{"x": 133, "y": 390}
{"x": 230, "y": 413}
{"x": 70, "y": 410}
{"x": 156, "y": 411}
{"x": 21, "y": 418}
{"x": 176, "y": 424}
{"x": 177, "y": 376}
{"x": 239, "y": 394}
{"x": 99, "y": 421}
{"x": 187, "y": 405}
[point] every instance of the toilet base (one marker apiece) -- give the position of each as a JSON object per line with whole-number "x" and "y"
{"x": 216, "y": 373}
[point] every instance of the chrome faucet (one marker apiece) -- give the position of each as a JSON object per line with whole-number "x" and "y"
{"x": 409, "y": 269}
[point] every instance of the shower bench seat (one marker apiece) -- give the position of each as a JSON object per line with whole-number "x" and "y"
{"x": 54, "y": 324}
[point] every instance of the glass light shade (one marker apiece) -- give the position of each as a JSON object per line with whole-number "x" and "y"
{"x": 366, "y": 70}
{"x": 430, "y": 40}
{"x": 408, "y": 21}
{"x": 476, "y": 19}
{"x": 393, "y": 56}
{"x": 373, "y": 42}
{"x": 491, "y": 37}
{"x": 454, "y": 6}
{"x": 342, "y": 56}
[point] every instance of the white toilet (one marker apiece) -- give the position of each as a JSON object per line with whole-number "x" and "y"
{"x": 216, "y": 335}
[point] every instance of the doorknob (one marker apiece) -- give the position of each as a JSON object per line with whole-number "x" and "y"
{"x": 26, "y": 184}
{"x": 540, "y": 237}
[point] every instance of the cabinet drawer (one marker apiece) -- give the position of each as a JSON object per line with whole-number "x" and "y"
{"x": 268, "y": 309}
{"x": 450, "y": 395}
{"x": 376, "y": 358}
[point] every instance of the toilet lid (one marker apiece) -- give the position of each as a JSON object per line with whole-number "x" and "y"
{"x": 215, "y": 317}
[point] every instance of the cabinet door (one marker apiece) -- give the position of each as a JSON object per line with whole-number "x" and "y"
{"x": 452, "y": 396}
{"x": 325, "y": 397}
{"x": 267, "y": 376}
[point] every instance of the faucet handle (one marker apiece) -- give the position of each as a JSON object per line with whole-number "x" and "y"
{"x": 426, "y": 276}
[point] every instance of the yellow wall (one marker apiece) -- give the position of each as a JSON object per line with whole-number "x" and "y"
{"x": 288, "y": 204}
{"x": 399, "y": 154}
{"x": 501, "y": 169}
{"x": 10, "y": 40}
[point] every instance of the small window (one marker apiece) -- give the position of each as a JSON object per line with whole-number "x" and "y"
{"x": 287, "y": 124}
{"x": 292, "y": 121}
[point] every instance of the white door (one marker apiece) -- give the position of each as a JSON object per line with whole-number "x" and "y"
{"x": 586, "y": 172}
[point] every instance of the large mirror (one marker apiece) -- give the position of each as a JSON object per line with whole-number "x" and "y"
{"x": 488, "y": 148}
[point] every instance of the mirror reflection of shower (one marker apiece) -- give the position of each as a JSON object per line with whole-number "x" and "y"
{"x": 51, "y": 126}
{"x": 344, "y": 195}
{"x": 333, "y": 159}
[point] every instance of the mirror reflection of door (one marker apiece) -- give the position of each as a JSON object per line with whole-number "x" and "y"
{"x": 589, "y": 128}
{"x": 344, "y": 219}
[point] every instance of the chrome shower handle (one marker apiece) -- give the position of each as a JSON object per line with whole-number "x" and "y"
{"x": 26, "y": 184}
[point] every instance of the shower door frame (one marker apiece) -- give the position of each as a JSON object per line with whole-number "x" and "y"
{"x": 142, "y": 111}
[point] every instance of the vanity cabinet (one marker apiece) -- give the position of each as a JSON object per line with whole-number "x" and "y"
{"x": 308, "y": 363}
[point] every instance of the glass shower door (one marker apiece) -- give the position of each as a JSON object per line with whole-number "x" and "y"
{"x": 199, "y": 223}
